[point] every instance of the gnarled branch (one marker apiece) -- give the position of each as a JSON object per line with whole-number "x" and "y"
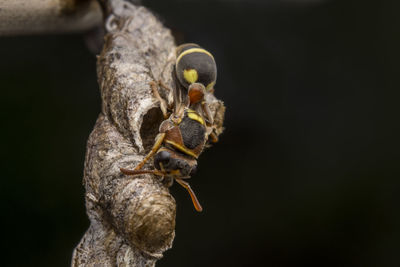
{"x": 132, "y": 219}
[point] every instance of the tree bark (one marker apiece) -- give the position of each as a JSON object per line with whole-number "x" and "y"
{"x": 132, "y": 219}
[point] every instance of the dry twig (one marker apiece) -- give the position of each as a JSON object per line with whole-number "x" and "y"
{"x": 132, "y": 218}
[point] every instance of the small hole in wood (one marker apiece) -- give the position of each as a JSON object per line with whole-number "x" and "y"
{"x": 150, "y": 125}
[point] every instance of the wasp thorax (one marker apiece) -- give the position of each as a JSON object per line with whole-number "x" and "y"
{"x": 195, "y": 65}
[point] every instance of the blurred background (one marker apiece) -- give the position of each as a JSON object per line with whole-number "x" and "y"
{"x": 306, "y": 173}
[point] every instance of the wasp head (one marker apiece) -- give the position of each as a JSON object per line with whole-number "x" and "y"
{"x": 173, "y": 164}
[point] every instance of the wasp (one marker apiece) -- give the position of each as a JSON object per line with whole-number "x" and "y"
{"x": 195, "y": 74}
{"x": 184, "y": 133}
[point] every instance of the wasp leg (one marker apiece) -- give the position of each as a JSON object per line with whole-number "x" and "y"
{"x": 170, "y": 95}
{"x": 159, "y": 140}
{"x": 214, "y": 137}
{"x": 163, "y": 85}
{"x": 163, "y": 103}
{"x": 168, "y": 181}
{"x": 170, "y": 62}
{"x": 207, "y": 112}
{"x": 195, "y": 201}
{"x": 210, "y": 119}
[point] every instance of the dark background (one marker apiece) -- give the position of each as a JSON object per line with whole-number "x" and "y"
{"x": 306, "y": 173}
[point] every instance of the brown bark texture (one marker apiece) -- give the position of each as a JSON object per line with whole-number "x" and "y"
{"x": 132, "y": 219}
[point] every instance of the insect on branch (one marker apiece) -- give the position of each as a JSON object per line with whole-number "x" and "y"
{"x": 131, "y": 212}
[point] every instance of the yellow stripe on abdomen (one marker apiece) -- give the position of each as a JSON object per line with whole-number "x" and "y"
{"x": 193, "y": 50}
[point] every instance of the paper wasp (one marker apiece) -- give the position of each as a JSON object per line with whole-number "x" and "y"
{"x": 184, "y": 133}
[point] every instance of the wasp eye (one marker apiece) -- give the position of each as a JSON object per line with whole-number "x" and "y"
{"x": 162, "y": 158}
{"x": 193, "y": 170}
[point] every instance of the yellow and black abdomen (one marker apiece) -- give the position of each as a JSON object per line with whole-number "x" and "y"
{"x": 195, "y": 65}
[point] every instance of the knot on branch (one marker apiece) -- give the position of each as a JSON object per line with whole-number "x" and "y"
{"x": 151, "y": 226}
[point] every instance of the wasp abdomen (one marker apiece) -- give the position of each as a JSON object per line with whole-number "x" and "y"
{"x": 195, "y": 65}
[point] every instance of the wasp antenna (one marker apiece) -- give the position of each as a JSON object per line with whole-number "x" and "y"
{"x": 137, "y": 172}
{"x": 195, "y": 201}
{"x": 128, "y": 172}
